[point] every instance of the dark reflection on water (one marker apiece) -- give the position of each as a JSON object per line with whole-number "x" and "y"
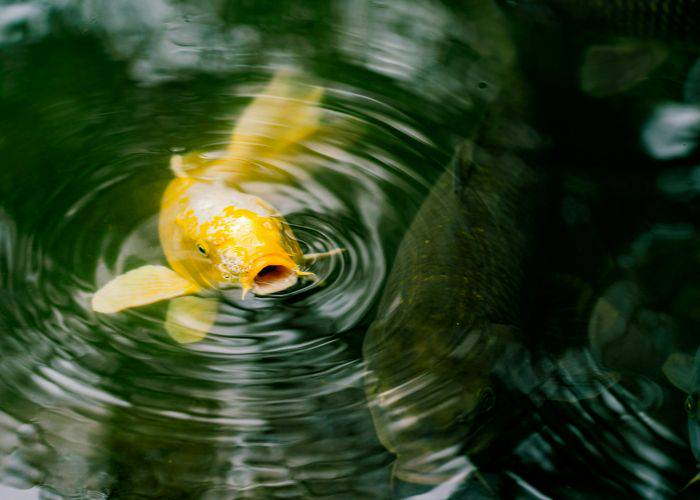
{"x": 516, "y": 339}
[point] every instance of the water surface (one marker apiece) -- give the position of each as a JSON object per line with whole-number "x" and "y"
{"x": 97, "y": 95}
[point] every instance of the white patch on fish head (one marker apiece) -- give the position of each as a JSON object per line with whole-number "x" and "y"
{"x": 209, "y": 200}
{"x": 230, "y": 228}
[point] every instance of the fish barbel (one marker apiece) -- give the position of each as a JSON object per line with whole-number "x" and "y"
{"x": 213, "y": 234}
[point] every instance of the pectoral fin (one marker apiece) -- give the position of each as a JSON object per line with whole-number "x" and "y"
{"x": 189, "y": 319}
{"x": 139, "y": 287}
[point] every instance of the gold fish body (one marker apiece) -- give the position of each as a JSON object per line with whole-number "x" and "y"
{"x": 213, "y": 234}
{"x": 217, "y": 237}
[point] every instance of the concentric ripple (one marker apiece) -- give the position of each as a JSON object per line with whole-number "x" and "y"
{"x": 96, "y": 95}
{"x": 271, "y": 401}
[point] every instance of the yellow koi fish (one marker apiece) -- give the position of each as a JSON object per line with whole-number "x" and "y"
{"x": 213, "y": 234}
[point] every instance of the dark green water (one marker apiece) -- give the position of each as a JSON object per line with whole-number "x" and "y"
{"x": 96, "y": 95}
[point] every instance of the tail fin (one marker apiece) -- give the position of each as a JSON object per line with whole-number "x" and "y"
{"x": 278, "y": 119}
{"x": 282, "y": 116}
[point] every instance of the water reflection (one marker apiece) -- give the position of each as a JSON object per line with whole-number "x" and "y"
{"x": 672, "y": 131}
{"x": 507, "y": 341}
{"x": 272, "y": 403}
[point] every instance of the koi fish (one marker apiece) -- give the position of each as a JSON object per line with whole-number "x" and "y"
{"x": 439, "y": 335}
{"x": 214, "y": 235}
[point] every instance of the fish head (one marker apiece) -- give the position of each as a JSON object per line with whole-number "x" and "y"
{"x": 240, "y": 247}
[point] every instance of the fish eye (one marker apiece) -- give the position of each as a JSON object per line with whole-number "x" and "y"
{"x": 690, "y": 404}
{"x": 201, "y": 249}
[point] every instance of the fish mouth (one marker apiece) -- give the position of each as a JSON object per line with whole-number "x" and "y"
{"x": 272, "y": 273}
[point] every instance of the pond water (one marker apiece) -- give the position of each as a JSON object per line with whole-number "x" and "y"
{"x": 587, "y": 281}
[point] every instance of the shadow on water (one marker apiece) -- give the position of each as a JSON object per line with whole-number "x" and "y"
{"x": 520, "y": 259}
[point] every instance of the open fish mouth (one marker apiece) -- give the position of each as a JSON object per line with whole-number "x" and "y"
{"x": 273, "y": 278}
{"x": 272, "y": 273}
